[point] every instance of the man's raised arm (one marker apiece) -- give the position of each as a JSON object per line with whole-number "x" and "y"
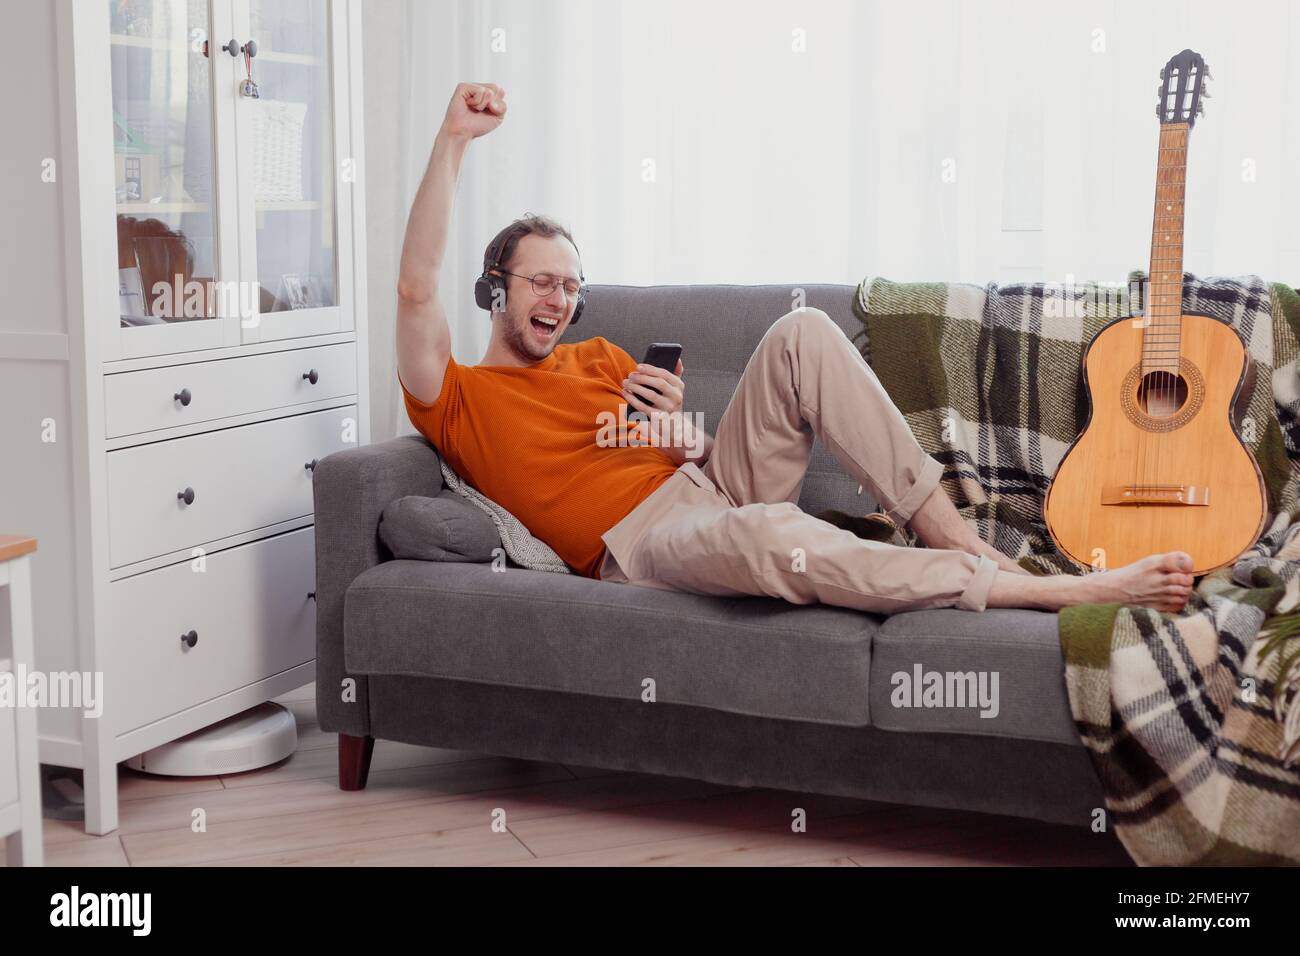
{"x": 423, "y": 339}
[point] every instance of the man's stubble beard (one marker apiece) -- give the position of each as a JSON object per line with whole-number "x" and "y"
{"x": 517, "y": 340}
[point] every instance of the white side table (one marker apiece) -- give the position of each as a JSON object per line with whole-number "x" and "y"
{"x": 20, "y": 780}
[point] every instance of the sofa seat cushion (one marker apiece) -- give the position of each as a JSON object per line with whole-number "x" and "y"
{"x": 754, "y": 656}
{"x": 1020, "y": 647}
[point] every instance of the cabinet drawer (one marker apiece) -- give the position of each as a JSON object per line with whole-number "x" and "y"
{"x": 248, "y": 612}
{"x": 8, "y": 755}
{"x": 145, "y": 401}
{"x": 241, "y": 478}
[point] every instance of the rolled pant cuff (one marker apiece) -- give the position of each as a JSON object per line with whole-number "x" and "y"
{"x": 976, "y": 595}
{"x": 926, "y": 482}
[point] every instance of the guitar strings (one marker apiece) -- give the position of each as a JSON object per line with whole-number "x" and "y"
{"x": 1174, "y": 288}
{"x": 1157, "y": 382}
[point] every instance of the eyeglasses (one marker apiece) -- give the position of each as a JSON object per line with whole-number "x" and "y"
{"x": 544, "y": 283}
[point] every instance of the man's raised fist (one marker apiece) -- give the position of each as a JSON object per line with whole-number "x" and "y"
{"x": 475, "y": 109}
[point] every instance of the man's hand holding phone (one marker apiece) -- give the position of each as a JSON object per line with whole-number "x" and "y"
{"x": 651, "y": 389}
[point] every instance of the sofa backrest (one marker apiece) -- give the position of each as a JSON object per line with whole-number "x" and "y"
{"x": 719, "y": 326}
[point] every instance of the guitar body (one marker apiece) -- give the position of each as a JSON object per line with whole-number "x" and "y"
{"x": 1166, "y": 474}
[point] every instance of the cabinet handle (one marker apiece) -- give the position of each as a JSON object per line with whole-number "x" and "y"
{"x": 186, "y": 496}
{"x": 190, "y": 638}
{"x": 311, "y": 595}
{"x": 232, "y": 48}
{"x": 312, "y": 376}
{"x": 183, "y": 396}
{"x": 311, "y": 465}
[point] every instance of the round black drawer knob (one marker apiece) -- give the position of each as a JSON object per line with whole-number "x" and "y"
{"x": 186, "y": 496}
{"x": 190, "y": 638}
{"x": 312, "y": 376}
{"x": 183, "y": 396}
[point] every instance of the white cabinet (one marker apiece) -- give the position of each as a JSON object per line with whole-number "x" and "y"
{"x": 156, "y": 131}
{"x": 173, "y": 495}
{"x": 201, "y": 344}
{"x": 180, "y": 634}
{"x": 232, "y": 222}
{"x": 203, "y": 391}
{"x": 295, "y": 239}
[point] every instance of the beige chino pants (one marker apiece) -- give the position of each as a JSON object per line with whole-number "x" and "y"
{"x": 733, "y": 528}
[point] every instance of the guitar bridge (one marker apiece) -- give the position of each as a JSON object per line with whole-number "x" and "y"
{"x": 1155, "y": 495}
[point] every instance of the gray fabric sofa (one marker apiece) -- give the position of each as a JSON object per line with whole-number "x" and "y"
{"x": 748, "y": 692}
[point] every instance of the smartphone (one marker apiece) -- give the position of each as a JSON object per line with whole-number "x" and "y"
{"x": 664, "y": 355}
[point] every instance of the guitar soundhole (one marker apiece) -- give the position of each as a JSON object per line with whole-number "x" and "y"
{"x": 1161, "y": 394}
{"x": 1163, "y": 401}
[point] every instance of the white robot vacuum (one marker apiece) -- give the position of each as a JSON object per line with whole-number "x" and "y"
{"x": 255, "y": 738}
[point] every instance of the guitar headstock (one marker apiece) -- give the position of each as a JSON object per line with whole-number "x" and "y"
{"x": 1183, "y": 85}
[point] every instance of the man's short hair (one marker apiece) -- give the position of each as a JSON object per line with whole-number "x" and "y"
{"x": 527, "y": 225}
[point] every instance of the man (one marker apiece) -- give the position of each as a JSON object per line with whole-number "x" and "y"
{"x": 712, "y": 515}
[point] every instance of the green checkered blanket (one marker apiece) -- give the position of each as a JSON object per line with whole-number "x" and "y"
{"x": 1192, "y": 720}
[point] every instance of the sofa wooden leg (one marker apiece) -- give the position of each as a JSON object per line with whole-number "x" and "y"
{"x": 354, "y": 761}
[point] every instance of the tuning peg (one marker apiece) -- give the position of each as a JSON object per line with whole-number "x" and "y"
{"x": 1200, "y": 109}
{"x": 1205, "y": 93}
{"x": 1208, "y": 74}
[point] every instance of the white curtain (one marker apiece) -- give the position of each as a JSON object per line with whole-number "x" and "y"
{"x": 765, "y": 141}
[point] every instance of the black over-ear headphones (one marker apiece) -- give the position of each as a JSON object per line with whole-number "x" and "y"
{"x": 487, "y": 287}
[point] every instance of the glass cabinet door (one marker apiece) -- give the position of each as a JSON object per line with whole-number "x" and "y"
{"x": 170, "y": 259}
{"x": 289, "y": 158}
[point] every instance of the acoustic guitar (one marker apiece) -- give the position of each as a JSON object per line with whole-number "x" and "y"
{"x": 1159, "y": 465}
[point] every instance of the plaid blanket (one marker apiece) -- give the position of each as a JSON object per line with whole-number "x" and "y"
{"x": 1192, "y": 720}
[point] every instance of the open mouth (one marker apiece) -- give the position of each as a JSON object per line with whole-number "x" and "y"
{"x": 544, "y": 324}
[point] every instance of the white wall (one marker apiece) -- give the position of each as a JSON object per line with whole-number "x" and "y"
{"x": 34, "y": 402}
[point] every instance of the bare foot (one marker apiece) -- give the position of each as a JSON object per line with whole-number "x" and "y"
{"x": 1159, "y": 581}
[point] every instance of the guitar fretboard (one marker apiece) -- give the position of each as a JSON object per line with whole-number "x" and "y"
{"x": 1162, "y": 337}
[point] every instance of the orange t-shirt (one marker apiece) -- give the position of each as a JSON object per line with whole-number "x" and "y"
{"x": 527, "y": 438}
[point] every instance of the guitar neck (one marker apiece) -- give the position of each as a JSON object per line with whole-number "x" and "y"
{"x": 1162, "y": 336}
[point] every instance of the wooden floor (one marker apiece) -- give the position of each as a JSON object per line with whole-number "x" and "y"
{"x": 429, "y": 807}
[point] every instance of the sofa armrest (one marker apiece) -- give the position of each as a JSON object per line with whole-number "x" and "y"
{"x": 351, "y": 490}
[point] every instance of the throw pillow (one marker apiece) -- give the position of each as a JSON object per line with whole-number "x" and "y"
{"x": 443, "y": 528}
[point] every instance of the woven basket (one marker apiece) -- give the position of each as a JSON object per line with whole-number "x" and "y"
{"x": 277, "y": 145}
